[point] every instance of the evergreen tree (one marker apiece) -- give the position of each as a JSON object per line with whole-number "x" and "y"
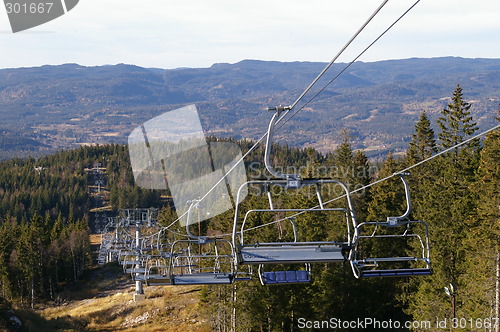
{"x": 6, "y": 244}
{"x": 342, "y": 160}
{"x": 422, "y": 146}
{"x": 387, "y": 197}
{"x": 447, "y": 204}
{"x": 456, "y": 121}
{"x": 423, "y": 143}
{"x": 482, "y": 256}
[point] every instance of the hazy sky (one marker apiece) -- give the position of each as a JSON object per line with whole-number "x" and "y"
{"x": 184, "y": 33}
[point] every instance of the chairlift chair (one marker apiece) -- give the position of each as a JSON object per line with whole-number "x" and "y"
{"x": 271, "y": 253}
{"x": 164, "y": 241}
{"x": 157, "y": 272}
{"x": 132, "y": 262}
{"x": 393, "y": 228}
{"x": 201, "y": 260}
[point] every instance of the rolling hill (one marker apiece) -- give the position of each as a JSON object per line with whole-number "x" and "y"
{"x": 55, "y": 107}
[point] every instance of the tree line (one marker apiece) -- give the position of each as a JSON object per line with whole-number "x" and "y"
{"x": 456, "y": 193}
{"x": 44, "y": 219}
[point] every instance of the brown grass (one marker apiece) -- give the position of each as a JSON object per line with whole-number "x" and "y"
{"x": 110, "y": 307}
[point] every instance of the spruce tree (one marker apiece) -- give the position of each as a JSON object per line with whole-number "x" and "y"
{"x": 479, "y": 281}
{"x": 456, "y": 121}
{"x": 422, "y": 146}
{"x": 447, "y": 205}
{"x": 341, "y": 159}
{"x": 423, "y": 143}
{"x": 387, "y": 196}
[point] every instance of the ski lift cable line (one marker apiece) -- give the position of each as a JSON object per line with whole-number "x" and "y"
{"x": 384, "y": 179}
{"x": 299, "y": 98}
{"x": 222, "y": 178}
{"x": 338, "y": 54}
{"x": 347, "y": 66}
{"x": 307, "y": 90}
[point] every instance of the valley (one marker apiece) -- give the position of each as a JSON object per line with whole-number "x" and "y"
{"x": 50, "y": 108}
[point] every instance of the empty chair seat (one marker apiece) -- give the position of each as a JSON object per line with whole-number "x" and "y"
{"x": 202, "y": 279}
{"x": 290, "y": 253}
{"x": 139, "y": 277}
{"x": 396, "y": 273}
{"x": 285, "y": 277}
{"x": 158, "y": 280}
{"x": 129, "y": 262}
{"x": 127, "y": 253}
{"x": 136, "y": 270}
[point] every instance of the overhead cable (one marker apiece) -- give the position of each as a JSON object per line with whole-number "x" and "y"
{"x": 306, "y": 91}
{"x": 347, "y": 66}
{"x": 387, "y": 177}
{"x": 339, "y": 54}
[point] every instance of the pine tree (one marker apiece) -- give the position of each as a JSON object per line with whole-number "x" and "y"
{"x": 447, "y": 205}
{"x": 456, "y": 121}
{"x": 6, "y": 243}
{"x": 423, "y": 143}
{"x": 28, "y": 258}
{"x": 387, "y": 196}
{"x": 342, "y": 159}
{"x": 422, "y": 146}
{"x": 483, "y": 238}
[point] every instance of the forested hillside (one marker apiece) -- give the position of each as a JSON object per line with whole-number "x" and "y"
{"x": 456, "y": 193}
{"x": 45, "y": 216}
{"x": 48, "y": 108}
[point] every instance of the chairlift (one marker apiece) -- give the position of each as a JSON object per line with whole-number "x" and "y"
{"x": 201, "y": 260}
{"x": 132, "y": 262}
{"x": 157, "y": 272}
{"x": 289, "y": 252}
{"x": 402, "y": 228}
{"x": 164, "y": 240}
{"x": 285, "y": 277}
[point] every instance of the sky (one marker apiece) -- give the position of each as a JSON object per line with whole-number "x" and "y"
{"x": 198, "y": 33}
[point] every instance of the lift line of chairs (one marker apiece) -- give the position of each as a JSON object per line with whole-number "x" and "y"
{"x": 159, "y": 258}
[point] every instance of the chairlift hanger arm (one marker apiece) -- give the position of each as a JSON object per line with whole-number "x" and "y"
{"x": 269, "y": 142}
{"x": 395, "y": 220}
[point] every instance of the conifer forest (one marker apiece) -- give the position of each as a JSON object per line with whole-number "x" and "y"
{"x": 46, "y": 219}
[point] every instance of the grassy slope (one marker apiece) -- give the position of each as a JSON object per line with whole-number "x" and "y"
{"x": 165, "y": 309}
{"x": 103, "y": 301}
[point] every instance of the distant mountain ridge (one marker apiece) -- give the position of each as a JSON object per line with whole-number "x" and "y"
{"x": 65, "y": 105}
